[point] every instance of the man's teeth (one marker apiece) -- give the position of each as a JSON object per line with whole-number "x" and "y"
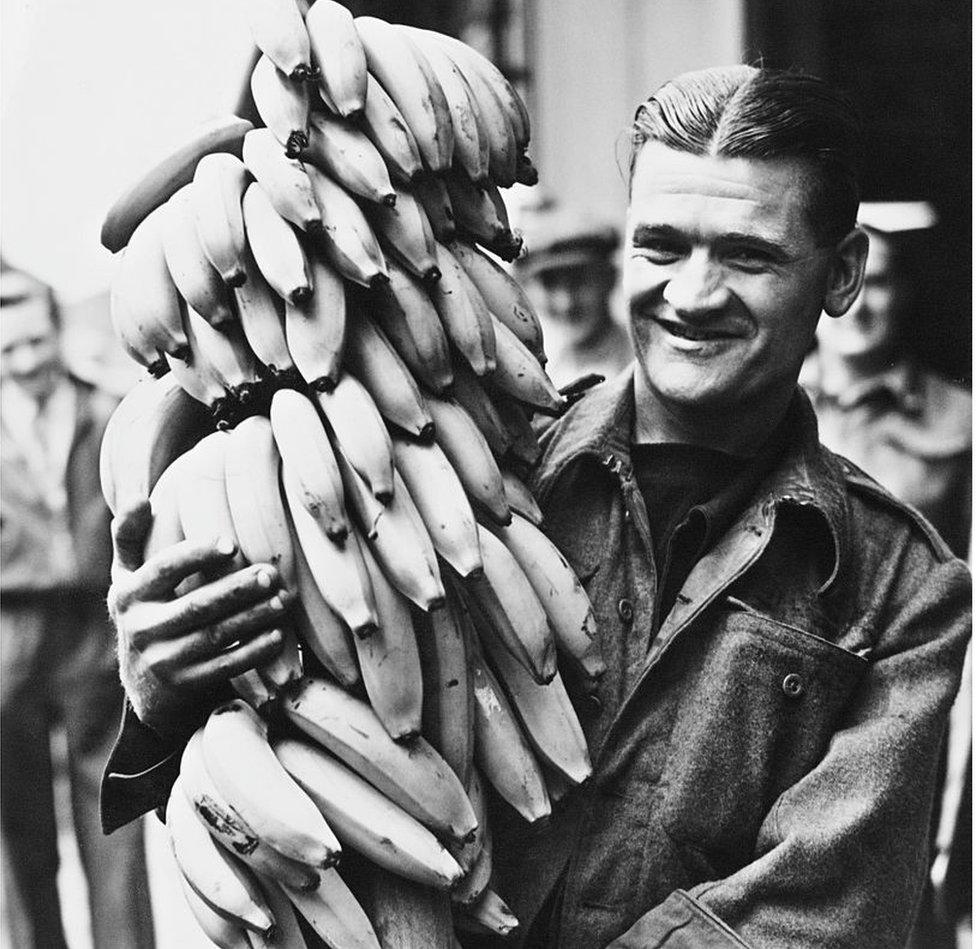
{"x": 693, "y": 333}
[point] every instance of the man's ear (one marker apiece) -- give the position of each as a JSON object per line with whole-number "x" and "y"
{"x": 846, "y": 273}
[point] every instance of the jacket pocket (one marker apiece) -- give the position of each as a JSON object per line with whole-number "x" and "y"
{"x": 759, "y": 702}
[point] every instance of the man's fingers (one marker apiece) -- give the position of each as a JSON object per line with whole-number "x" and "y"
{"x": 210, "y": 641}
{"x": 213, "y": 602}
{"x": 232, "y": 662}
{"x": 158, "y": 576}
{"x": 129, "y": 529}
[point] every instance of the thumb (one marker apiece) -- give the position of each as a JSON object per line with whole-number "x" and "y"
{"x": 130, "y": 527}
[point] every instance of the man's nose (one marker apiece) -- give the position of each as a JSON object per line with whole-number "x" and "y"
{"x": 697, "y": 287}
{"x": 23, "y": 360}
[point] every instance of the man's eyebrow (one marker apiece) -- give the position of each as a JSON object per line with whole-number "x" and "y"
{"x": 644, "y": 233}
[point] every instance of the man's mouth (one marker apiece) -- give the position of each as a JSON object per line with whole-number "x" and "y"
{"x": 698, "y": 334}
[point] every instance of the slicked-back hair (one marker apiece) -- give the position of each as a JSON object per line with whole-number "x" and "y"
{"x": 748, "y": 112}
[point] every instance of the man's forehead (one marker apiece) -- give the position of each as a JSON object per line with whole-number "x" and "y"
{"x": 667, "y": 182}
{"x": 25, "y": 318}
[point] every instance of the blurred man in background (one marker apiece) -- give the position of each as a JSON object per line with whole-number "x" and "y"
{"x": 904, "y": 424}
{"x": 569, "y": 274}
{"x": 911, "y": 429}
{"x": 58, "y": 658}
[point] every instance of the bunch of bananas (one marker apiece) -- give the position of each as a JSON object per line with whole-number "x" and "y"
{"x": 344, "y": 381}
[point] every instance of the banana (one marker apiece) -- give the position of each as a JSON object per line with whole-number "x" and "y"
{"x": 525, "y": 172}
{"x": 511, "y": 609}
{"x": 431, "y": 192}
{"x": 558, "y": 785}
{"x": 235, "y": 750}
{"x": 471, "y": 396}
{"x": 275, "y": 248}
{"x": 397, "y": 537}
{"x": 374, "y": 362}
{"x": 287, "y": 933}
{"x": 262, "y": 320}
{"x": 476, "y": 64}
{"x": 220, "y": 931}
{"x": 219, "y": 182}
{"x": 154, "y": 423}
{"x": 468, "y": 452}
{"x": 161, "y": 182}
{"x": 229, "y": 829}
{"x": 358, "y": 430}
{"x": 463, "y": 313}
{"x": 346, "y": 239}
{"x": 219, "y": 880}
{"x": 546, "y": 714}
{"x": 321, "y": 630}
{"x": 251, "y": 465}
{"x": 470, "y": 142}
{"x": 520, "y": 498}
{"x": 408, "y": 915}
{"x": 387, "y": 129}
{"x": 279, "y": 32}
{"x": 166, "y": 529}
{"x": 477, "y": 876}
{"x": 448, "y": 697}
{"x": 349, "y": 157}
{"x": 491, "y": 912}
{"x": 199, "y": 284}
{"x": 283, "y": 105}
{"x": 221, "y": 370}
{"x": 316, "y": 331}
{"x": 479, "y": 211}
{"x": 405, "y": 314}
{"x": 411, "y": 775}
{"x": 518, "y": 373}
{"x": 202, "y": 497}
{"x": 523, "y": 442}
{"x": 443, "y": 506}
{"x": 502, "y": 294}
{"x": 283, "y": 179}
{"x": 337, "y": 569}
{"x": 366, "y": 820}
{"x": 501, "y": 751}
{"x": 334, "y": 913}
{"x": 309, "y": 462}
{"x": 405, "y": 230}
{"x": 146, "y": 308}
{"x": 389, "y": 659}
{"x": 559, "y": 591}
{"x": 339, "y": 56}
{"x": 406, "y": 75}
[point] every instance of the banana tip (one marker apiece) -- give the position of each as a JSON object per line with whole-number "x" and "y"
{"x": 384, "y": 496}
{"x": 379, "y": 280}
{"x": 301, "y": 295}
{"x": 390, "y": 199}
{"x": 324, "y": 384}
{"x": 236, "y": 279}
{"x": 432, "y": 275}
{"x": 159, "y": 367}
{"x": 426, "y": 432}
{"x": 296, "y": 143}
{"x": 304, "y": 72}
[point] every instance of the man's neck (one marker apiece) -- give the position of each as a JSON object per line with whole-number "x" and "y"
{"x": 741, "y": 430}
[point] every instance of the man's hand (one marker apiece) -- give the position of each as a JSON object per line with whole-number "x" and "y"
{"x": 174, "y": 647}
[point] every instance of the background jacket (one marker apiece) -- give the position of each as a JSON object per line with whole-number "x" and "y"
{"x": 764, "y": 766}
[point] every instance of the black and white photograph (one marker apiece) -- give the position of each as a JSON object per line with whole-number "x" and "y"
{"x": 492, "y": 474}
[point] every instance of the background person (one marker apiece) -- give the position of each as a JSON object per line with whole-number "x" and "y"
{"x": 569, "y": 272}
{"x": 57, "y": 659}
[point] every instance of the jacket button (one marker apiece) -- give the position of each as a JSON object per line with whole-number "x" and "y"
{"x": 793, "y": 686}
{"x": 625, "y": 610}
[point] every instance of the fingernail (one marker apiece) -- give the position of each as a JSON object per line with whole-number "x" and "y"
{"x": 265, "y": 578}
{"x": 225, "y": 545}
{"x": 276, "y": 603}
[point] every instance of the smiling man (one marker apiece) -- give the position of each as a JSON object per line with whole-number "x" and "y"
{"x": 783, "y": 639}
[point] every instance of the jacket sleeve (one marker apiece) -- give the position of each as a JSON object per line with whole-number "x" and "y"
{"x": 842, "y": 854}
{"x": 139, "y": 773}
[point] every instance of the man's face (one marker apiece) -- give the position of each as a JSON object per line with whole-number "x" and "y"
{"x": 722, "y": 275}
{"x": 871, "y": 325}
{"x": 28, "y": 342}
{"x": 575, "y": 298}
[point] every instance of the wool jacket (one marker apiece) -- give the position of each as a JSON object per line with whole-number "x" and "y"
{"x": 765, "y": 758}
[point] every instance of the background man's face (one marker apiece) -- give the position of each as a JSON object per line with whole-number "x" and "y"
{"x": 29, "y": 344}
{"x": 722, "y": 275}
{"x": 576, "y": 298}
{"x": 872, "y": 324}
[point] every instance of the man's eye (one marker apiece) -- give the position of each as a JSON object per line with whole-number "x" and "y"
{"x": 748, "y": 258}
{"x": 658, "y": 252}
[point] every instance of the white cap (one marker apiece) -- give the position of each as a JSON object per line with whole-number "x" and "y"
{"x": 893, "y": 217}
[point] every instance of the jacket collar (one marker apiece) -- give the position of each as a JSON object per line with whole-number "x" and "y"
{"x": 599, "y": 426}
